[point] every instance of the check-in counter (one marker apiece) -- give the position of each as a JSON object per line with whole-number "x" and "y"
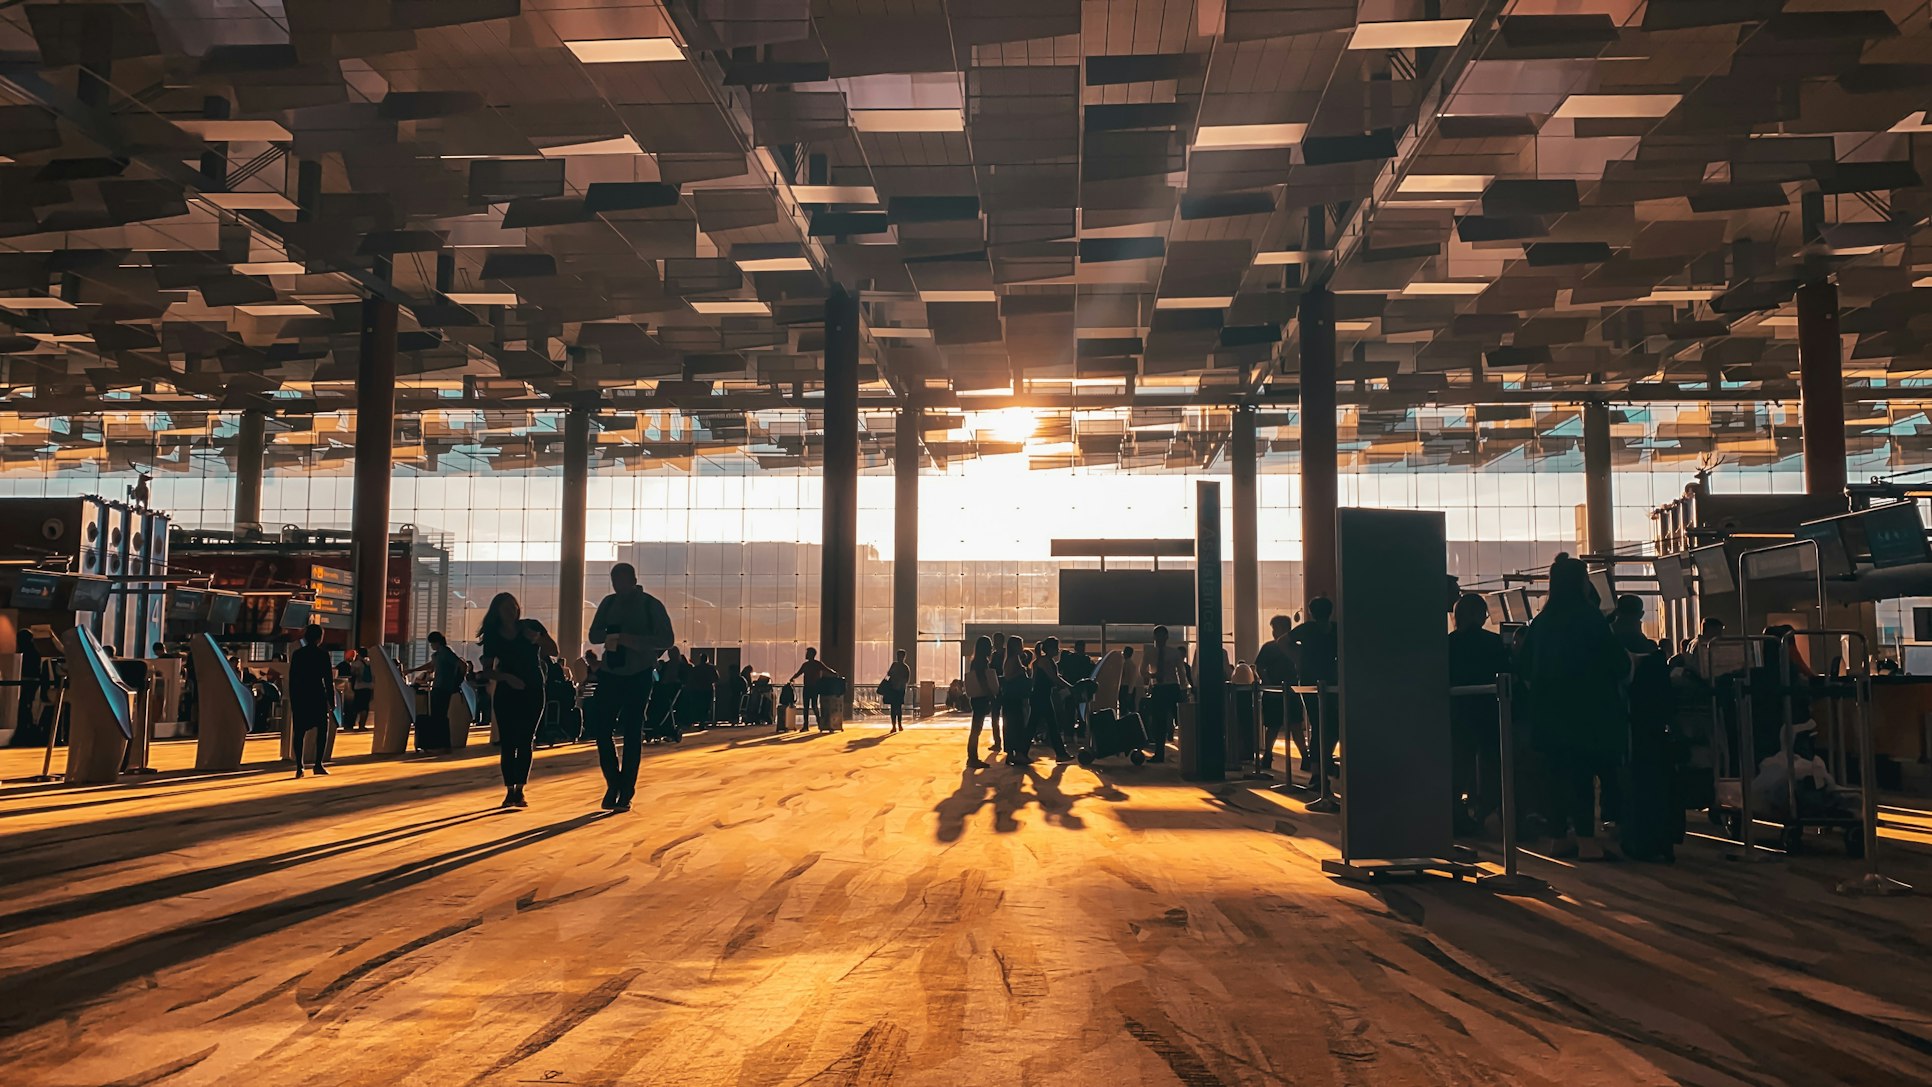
{"x": 223, "y": 707}
{"x": 394, "y": 708}
{"x": 101, "y": 708}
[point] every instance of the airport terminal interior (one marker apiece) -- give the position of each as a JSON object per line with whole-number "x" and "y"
{"x": 856, "y": 542}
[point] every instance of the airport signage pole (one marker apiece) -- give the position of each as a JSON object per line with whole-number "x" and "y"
{"x": 1211, "y": 672}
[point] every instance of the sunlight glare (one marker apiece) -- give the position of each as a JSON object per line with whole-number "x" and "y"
{"x": 1005, "y": 424}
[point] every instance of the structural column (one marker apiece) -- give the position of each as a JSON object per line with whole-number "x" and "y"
{"x": 1599, "y": 519}
{"x": 250, "y": 451}
{"x": 838, "y": 570}
{"x": 906, "y": 456}
{"x": 375, "y": 430}
{"x": 1821, "y": 383}
{"x": 576, "y": 513}
{"x": 1247, "y": 559}
{"x": 1318, "y": 455}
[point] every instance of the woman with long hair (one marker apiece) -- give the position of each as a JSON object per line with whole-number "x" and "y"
{"x": 982, "y": 688}
{"x": 514, "y": 649}
{"x": 1576, "y": 673}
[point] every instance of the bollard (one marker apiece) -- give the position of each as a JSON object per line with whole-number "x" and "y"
{"x": 1324, "y": 802}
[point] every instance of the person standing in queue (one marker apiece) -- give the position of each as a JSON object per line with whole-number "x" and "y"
{"x": 701, "y": 689}
{"x": 1274, "y": 666}
{"x": 1477, "y": 655}
{"x": 982, "y": 691}
{"x": 1016, "y": 684}
{"x": 1576, "y": 673}
{"x": 1050, "y": 690}
{"x": 311, "y": 696}
{"x": 1318, "y": 642}
{"x": 898, "y": 677}
{"x": 635, "y": 630}
{"x": 1169, "y": 690}
{"x": 999, "y": 670}
{"x": 514, "y": 649}
{"x": 445, "y": 672}
{"x": 815, "y": 673}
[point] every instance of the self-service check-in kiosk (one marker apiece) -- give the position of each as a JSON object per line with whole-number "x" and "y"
{"x": 394, "y": 707}
{"x": 223, "y": 706}
{"x": 102, "y": 706}
{"x": 86, "y": 687}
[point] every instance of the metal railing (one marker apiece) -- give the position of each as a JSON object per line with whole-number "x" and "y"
{"x": 1509, "y": 880}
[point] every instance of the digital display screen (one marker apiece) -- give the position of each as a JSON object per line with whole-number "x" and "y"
{"x": 1519, "y": 605}
{"x": 295, "y": 615}
{"x": 1670, "y": 578}
{"x": 1606, "y": 589}
{"x": 1834, "y": 557}
{"x": 1895, "y": 535}
{"x": 186, "y": 603}
{"x": 90, "y": 594}
{"x": 1713, "y": 566}
{"x": 35, "y": 591}
{"x": 224, "y": 608}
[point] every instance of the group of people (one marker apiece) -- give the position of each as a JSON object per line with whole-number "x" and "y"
{"x": 519, "y": 661}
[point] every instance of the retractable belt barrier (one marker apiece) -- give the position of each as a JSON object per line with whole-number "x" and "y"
{"x": 1504, "y": 691}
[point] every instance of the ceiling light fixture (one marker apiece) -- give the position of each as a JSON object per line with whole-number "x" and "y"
{"x": 1237, "y": 137}
{"x": 1410, "y": 34}
{"x": 234, "y": 131}
{"x": 249, "y": 201}
{"x": 1613, "y": 106}
{"x": 484, "y": 298}
{"x": 278, "y": 309}
{"x": 1445, "y": 183}
{"x": 775, "y": 264}
{"x": 1220, "y": 301}
{"x": 625, "y": 50}
{"x": 958, "y": 296}
{"x": 1271, "y": 257}
{"x": 616, "y": 145}
{"x": 733, "y": 308}
{"x": 1442, "y": 288}
{"x": 34, "y": 302}
{"x": 902, "y": 333}
{"x": 835, "y": 194}
{"x": 908, "y": 120}
{"x": 271, "y": 268}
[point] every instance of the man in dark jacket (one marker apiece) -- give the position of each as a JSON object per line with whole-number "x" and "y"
{"x": 311, "y": 696}
{"x": 1476, "y": 656}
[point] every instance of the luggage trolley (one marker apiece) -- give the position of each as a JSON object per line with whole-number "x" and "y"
{"x": 1110, "y": 732}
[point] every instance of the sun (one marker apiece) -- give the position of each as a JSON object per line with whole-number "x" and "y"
{"x": 1006, "y": 424}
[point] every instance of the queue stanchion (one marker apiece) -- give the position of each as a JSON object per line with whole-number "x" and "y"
{"x": 1872, "y": 882}
{"x": 53, "y": 731}
{"x": 1325, "y": 802}
{"x": 1509, "y": 880}
{"x": 1259, "y": 757}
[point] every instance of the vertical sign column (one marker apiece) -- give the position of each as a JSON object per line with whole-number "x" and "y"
{"x": 250, "y": 452}
{"x": 838, "y": 570}
{"x": 1821, "y": 385}
{"x": 1599, "y": 513}
{"x": 576, "y": 514}
{"x": 1246, "y": 545}
{"x": 1209, "y": 741}
{"x": 906, "y": 456}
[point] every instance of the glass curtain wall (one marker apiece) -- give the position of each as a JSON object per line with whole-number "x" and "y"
{"x": 731, "y": 539}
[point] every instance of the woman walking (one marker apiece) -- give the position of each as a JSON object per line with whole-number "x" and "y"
{"x": 897, "y": 678}
{"x": 514, "y": 649}
{"x": 982, "y": 690}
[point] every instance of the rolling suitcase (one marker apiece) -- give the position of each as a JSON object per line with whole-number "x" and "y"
{"x": 1110, "y": 734}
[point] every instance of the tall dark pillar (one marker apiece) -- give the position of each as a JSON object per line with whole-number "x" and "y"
{"x": 906, "y": 456}
{"x": 250, "y": 450}
{"x": 375, "y": 430}
{"x": 1821, "y": 383}
{"x": 838, "y": 570}
{"x": 1318, "y": 456}
{"x": 1599, "y": 512}
{"x": 576, "y": 515}
{"x": 1247, "y": 547}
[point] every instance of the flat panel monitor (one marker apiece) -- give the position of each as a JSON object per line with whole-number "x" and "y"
{"x": 1713, "y": 566}
{"x": 1895, "y": 535}
{"x": 1834, "y": 557}
{"x": 224, "y": 608}
{"x": 186, "y": 603}
{"x": 1922, "y": 624}
{"x": 1092, "y": 597}
{"x": 1605, "y": 587}
{"x": 295, "y": 615}
{"x": 89, "y": 594}
{"x": 1671, "y": 584}
{"x": 1518, "y": 603}
{"x": 35, "y": 590}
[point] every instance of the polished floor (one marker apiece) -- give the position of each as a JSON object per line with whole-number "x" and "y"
{"x": 854, "y": 909}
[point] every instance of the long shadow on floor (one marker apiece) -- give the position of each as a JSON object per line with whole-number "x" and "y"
{"x": 58, "y": 988}
{"x": 1004, "y": 788}
{"x": 206, "y": 879}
